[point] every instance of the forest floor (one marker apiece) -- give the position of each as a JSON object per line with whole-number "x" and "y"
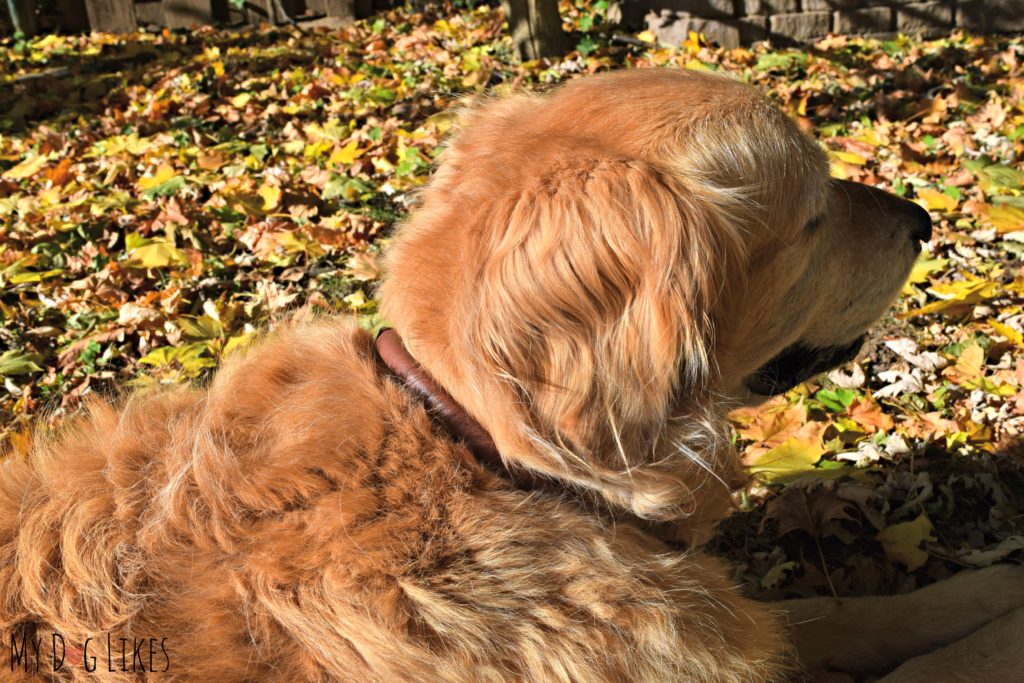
{"x": 163, "y": 195}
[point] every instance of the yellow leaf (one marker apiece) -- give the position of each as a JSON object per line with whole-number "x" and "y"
{"x": 295, "y": 242}
{"x": 791, "y": 460}
{"x": 693, "y": 42}
{"x": 357, "y": 300}
{"x": 839, "y": 171}
{"x": 1006, "y": 331}
{"x": 849, "y": 157}
{"x": 271, "y": 195}
{"x": 162, "y": 175}
{"x": 922, "y": 269}
{"x": 239, "y": 342}
{"x": 697, "y": 65}
{"x": 346, "y": 155}
{"x": 902, "y": 542}
{"x": 645, "y": 36}
{"x": 968, "y": 289}
{"x": 156, "y": 255}
{"x": 933, "y": 200}
{"x": 961, "y": 293}
{"x": 315, "y": 150}
{"x": 383, "y": 166}
{"x": 1004, "y": 218}
{"x": 27, "y": 168}
{"x": 239, "y": 101}
{"x": 871, "y": 137}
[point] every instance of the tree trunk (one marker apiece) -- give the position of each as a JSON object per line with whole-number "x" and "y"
{"x": 536, "y": 28}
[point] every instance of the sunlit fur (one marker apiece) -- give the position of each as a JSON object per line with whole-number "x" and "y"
{"x": 567, "y": 270}
{"x": 590, "y": 274}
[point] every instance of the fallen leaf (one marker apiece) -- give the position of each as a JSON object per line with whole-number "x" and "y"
{"x": 902, "y": 542}
{"x": 14, "y": 363}
{"x": 27, "y": 168}
{"x": 786, "y": 462}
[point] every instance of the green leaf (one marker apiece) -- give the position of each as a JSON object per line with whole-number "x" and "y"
{"x": 168, "y": 188}
{"x": 189, "y": 360}
{"x": 348, "y": 189}
{"x": 837, "y": 400}
{"x": 13, "y": 363}
{"x": 1004, "y": 176}
{"x": 780, "y": 61}
{"x": 586, "y": 46}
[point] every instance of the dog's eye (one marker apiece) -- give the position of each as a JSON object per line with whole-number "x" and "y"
{"x": 814, "y": 225}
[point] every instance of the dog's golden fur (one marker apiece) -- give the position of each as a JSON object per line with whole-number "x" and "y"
{"x": 592, "y": 274}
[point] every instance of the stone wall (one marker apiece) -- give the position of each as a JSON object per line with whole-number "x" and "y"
{"x": 731, "y": 23}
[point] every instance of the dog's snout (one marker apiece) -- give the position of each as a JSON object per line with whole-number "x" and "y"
{"x": 920, "y": 224}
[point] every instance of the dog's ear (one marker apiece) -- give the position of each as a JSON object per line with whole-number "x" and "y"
{"x": 591, "y": 310}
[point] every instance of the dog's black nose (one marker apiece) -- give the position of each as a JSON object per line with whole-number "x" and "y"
{"x": 920, "y": 224}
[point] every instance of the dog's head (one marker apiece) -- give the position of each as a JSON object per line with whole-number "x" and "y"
{"x": 598, "y": 274}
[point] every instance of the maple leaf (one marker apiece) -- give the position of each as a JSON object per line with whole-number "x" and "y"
{"x": 968, "y": 366}
{"x": 869, "y": 415}
{"x": 817, "y": 512}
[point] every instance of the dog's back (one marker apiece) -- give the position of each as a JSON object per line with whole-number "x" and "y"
{"x": 300, "y": 519}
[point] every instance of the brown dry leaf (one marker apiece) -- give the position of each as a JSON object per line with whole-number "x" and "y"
{"x": 968, "y": 366}
{"x": 869, "y": 415}
{"x": 363, "y": 266}
{"x": 817, "y": 512}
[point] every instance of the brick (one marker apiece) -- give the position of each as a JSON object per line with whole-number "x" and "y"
{"x": 717, "y": 31}
{"x": 756, "y": 7}
{"x": 709, "y": 9}
{"x": 970, "y": 14}
{"x": 991, "y": 16}
{"x": 861, "y": 21}
{"x": 753, "y": 29}
{"x": 924, "y": 18}
{"x": 829, "y": 5}
{"x": 800, "y": 26}
{"x": 731, "y": 33}
{"x": 673, "y": 28}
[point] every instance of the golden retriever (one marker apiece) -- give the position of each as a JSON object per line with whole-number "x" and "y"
{"x": 594, "y": 277}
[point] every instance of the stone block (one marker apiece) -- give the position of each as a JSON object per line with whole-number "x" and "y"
{"x": 924, "y": 18}
{"x": 862, "y": 21}
{"x": 709, "y": 9}
{"x": 753, "y": 29}
{"x": 673, "y": 29}
{"x": 757, "y": 7}
{"x": 799, "y": 26}
{"x": 991, "y": 16}
{"x": 716, "y": 30}
{"x": 829, "y": 5}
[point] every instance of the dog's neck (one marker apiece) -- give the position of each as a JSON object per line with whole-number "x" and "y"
{"x": 462, "y": 426}
{"x": 446, "y": 410}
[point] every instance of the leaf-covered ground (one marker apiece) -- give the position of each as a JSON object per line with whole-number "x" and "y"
{"x": 164, "y": 195}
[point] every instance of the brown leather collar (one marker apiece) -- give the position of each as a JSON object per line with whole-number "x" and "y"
{"x": 445, "y": 409}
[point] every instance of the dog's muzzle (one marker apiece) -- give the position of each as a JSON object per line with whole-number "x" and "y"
{"x": 797, "y": 363}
